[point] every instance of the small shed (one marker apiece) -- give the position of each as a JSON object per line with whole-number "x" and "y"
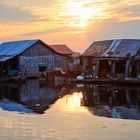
{"x": 112, "y": 58}
{"x": 63, "y": 56}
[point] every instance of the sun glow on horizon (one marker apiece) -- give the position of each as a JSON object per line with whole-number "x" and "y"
{"x": 63, "y": 21}
{"x": 80, "y": 14}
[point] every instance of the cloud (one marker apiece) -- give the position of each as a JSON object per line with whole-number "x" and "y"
{"x": 101, "y": 19}
{"x": 119, "y": 10}
{"x": 9, "y": 13}
{"x": 122, "y": 10}
{"x": 67, "y": 30}
{"x": 57, "y": 12}
{"x": 55, "y": 30}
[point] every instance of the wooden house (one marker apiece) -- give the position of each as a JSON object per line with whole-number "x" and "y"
{"x": 113, "y": 59}
{"x": 67, "y": 59}
{"x": 63, "y": 56}
{"x": 25, "y": 57}
{"x": 31, "y": 57}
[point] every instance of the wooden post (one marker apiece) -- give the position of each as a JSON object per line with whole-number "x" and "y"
{"x": 113, "y": 70}
{"x": 2, "y": 69}
{"x": 127, "y": 68}
{"x": 96, "y": 94}
{"x": 114, "y": 93}
{"x": 97, "y": 69}
{"x": 138, "y": 69}
{"x": 138, "y": 94}
{"x": 1, "y": 72}
{"x": 127, "y": 96}
{"x": 84, "y": 63}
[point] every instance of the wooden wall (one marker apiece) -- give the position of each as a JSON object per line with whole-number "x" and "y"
{"x": 38, "y": 49}
{"x": 61, "y": 61}
{"x": 40, "y": 54}
{"x": 31, "y": 64}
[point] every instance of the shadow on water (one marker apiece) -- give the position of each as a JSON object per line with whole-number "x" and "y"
{"x": 31, "y": 97}
{"x": 100, "y": 100}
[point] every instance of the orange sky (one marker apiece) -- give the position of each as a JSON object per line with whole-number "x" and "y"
{"x": 76, "y": 23}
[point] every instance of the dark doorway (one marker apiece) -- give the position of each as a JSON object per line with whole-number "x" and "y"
{"x": 104, "y": 68}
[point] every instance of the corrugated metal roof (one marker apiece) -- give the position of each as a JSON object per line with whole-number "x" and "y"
{"x": 97, "y": 48}
{"x": 127, "y": 48}
{"x": 62, "y": 49}
{"x": 5, "y": 58}
{"x": 114, "y": 48}
{"x": 15, "y": 47}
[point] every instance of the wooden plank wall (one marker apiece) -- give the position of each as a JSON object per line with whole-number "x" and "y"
{"x": 30, "y": 64}
{"x": 61, "y": 61}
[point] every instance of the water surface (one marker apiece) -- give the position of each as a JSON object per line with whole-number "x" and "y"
{"x": 37, "y": 110}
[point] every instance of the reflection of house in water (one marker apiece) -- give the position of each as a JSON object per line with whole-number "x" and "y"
{"x": 10, "y": 99}
{"x": 31, "y": 94}
{"x": 115, "y": 102}
{"x": 36, "y": 97}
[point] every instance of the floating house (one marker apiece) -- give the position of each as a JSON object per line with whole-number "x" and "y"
{"x": 25, "y": 57}
{"x": 63, "y": 56}
{"x": 113, "y": 59}
{"x": 31, "y": 58}
{"x": 67, "y": 59}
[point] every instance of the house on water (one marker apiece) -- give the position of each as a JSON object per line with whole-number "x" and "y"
{"x": 66, "y": 59}
{"x": 113, "y": 59}
{"x": 63, "y": 61}
{"x": 31, "y": 58}
{"x": 25, "y": 57}
{"x": 63, "y": 56}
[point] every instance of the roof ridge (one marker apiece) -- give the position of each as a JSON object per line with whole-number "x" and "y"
{"x": 115, "y": 39}
{"x": 58, "y": 45}
{"x": 61, "y": 48}
{"x": 12, "y": 41}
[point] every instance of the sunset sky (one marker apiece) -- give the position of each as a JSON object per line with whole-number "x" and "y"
{"x": 76, "y": 23}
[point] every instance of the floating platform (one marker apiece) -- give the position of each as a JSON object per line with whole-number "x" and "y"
{"x": 105, "y": 81}
{"x": 4, "y": 79}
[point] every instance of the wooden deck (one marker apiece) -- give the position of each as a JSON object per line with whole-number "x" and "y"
{"x": 4, "y": 79}
{"x": 106, "y": 81}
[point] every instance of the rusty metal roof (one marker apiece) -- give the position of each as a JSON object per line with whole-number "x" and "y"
{"x": 114, "y": 48}
{"x": 62, "y": 49}
{"x": 97, "y": 48}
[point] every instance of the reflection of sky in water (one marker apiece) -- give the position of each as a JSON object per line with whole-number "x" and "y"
{"x": 72, "y": 103}
{"x": 74, "y": 99}
{"x": 12, "y": 106}
{"x": 116, "y": 112}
